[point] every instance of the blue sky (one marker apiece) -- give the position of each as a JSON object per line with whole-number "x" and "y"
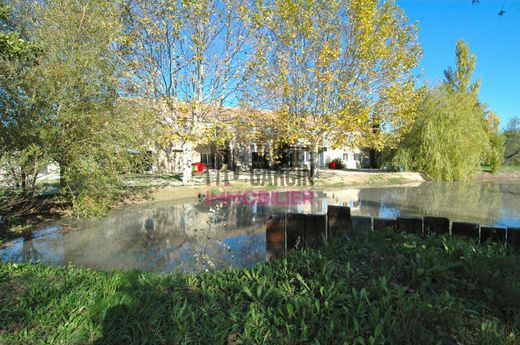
{"x": 494, "y": 39}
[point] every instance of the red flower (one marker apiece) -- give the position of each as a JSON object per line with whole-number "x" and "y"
{"x": 332, "y": 165}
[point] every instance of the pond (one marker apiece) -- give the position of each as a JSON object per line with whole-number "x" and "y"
{"x": 203, "y": 235}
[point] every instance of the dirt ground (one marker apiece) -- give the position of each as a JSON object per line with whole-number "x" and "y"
{"x": 326, "y": 179}
{"x": 498, "y": 176}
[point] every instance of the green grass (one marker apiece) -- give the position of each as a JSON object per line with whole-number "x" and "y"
{"x": 384, "y": 288}
{"x": 509, "y": 168}
{"x": 502, "y": 169}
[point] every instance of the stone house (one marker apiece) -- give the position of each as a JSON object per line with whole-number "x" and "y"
{"x": 241, "y": 153}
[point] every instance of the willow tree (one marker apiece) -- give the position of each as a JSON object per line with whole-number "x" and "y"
{"x": 447, "y": 139}
{"x": 493, "y": 154}
{"x": 453, "y": 133}
{"x": 188, "y": 57}
{"x": 335, "y": 71}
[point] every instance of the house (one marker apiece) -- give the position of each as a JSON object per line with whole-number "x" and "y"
{"x": 239, "y": 151}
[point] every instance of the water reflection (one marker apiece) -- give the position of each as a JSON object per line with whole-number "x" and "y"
{"x": 198, "y": 237}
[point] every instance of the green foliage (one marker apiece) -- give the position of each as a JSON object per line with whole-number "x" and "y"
{"x": 459, "y": 80}
{"x": 335, "y": 67}
{"x": 12, "y": 44}
{"x": 64, "y": 106}
{"x": 453, "y": 133}
{"x": 337, "y": 163}
{"x": 495, "y": 155}
{"x": 447, "y": 139}
{"x": 512, "y": 142}
{"x": 383, "y": 288}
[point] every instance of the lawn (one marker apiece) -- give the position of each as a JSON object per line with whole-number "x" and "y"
{"x": 381, "y": 288}
{"x": 510, "y": 168}
{"x": 502, "y": 169}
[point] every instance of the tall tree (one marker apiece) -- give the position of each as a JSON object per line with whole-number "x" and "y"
{"x": 334, "y": 68}
{"x": 189, "y": 57}
{"x": 447, "y": 139}
{"x": 67, "y": 107}
{"x": 453, "y": 132}
{"x": 19, "y": 133}
{"x": 459, "y": 79}
{"x": 90, "y": 128}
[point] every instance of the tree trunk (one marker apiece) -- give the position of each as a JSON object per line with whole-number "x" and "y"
{"x": 62, "y": 176}
{"x": 373, "y": 156}
{"x": 314, "y": 162}
{"x": 187, "y": 151}
{"x": 24, "y": 183}
{"x": 231, "y": 159}
{"x": 271, "y": 154}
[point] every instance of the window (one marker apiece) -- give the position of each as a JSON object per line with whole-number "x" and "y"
{"x": 206, "y": 159}
{"x": 348, "y": 157}
{"x": 357, "y": 157}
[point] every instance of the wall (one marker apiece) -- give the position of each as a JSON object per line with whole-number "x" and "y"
{"x": 285, "y": 231}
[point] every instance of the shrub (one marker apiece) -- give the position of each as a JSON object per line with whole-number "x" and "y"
{"x": 337, "y": 163}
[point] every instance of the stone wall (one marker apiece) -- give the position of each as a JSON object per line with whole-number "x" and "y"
{"x": 291, "y": 230}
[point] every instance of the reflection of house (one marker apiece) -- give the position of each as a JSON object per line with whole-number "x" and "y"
{"x": 346, "y": 197}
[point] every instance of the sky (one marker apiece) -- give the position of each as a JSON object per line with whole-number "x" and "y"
{"x": 494, "y": 39}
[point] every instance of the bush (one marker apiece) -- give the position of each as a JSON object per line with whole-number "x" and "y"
{"x": 337, "y": 163}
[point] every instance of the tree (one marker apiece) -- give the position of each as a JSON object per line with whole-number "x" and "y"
{"x": 447, "y": 139}
{"x": 494, "y": 150}
{"x": 189, "y": 57}
{"x": 453, "y": 132}
{"x": 512, "y": 141}
{"x": 459, "y": 79}
{"x": 19, "y": 135}
{"x": 12, "y": 44}
{"x": 337, "y": 71}
{"x": 67, "y": 107}
{"x": 89, "y": 128}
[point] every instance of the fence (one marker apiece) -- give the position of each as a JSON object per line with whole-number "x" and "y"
{"x": 288, "y": 230}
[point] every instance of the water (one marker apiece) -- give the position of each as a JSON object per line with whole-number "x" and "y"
{"x": 196, "y": 236}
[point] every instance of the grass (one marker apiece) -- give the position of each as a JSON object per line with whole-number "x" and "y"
{"x": 502, "y": 169}
{"x": 384, "y": 288}
{"x": 509, "y": 168}
{"x": 385, "y": 180}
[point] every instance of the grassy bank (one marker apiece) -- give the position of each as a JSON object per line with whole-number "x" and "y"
{"x": 384, "y": 288}
{"x": 509, "y": 168}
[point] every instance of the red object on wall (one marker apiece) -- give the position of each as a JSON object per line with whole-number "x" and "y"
{"x": 200, "y": 167}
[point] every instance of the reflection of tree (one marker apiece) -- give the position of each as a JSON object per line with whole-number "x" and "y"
{"x": 201, "y": 236}
{"x": 476, "y": 202}
{"x": 510, "y": 193}
{"x": 162, "y": 237}
{"x": 29, "y": 252}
